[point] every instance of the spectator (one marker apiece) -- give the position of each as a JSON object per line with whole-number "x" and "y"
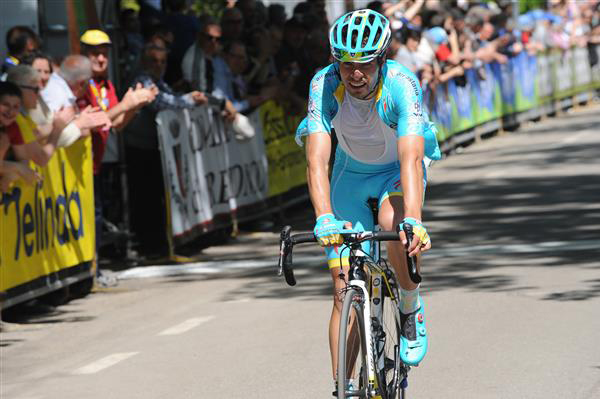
{"x": 42, "y": 64}
{"x": 133, "y": 41}
{"x": 230, "y": 84}
{"x": 232, "y": 25}
{"x": 33, "y": 144}
{"x": 248, "y": 9}
{"x": 20, "y": 41}
{"x": 69, "y": 84}
{"x": 101, "y": 93}
{"x": 319, "y": 11}
{"x": 292, "y": 57}
{"x": 147, "y": 197}
{"x": 318, "y": 52}
{"x": 410, "y": 37}
{"x": 44, "y": 117}
{"x": 185, "y": 28}
{"x": 197, "y": 63}
{"x": 10, "y": 169}
{"x": 277, "y": 15}
{"x": 130, "y": 25}
{"x": 261, "y": 70}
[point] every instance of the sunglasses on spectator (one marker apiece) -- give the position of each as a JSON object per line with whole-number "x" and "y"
{"x": 214, "y": 39}
{"x": 34, "y": 89}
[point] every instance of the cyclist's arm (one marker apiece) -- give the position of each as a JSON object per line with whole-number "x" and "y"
{"x": 410, "y": 152}
{"x": 321, "y": 106}
{"x": 411, "y": 129}
{"x": 318, "y": 148}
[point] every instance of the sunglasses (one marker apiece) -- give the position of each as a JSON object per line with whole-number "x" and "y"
{"x": 214, "y": 39}
{"x": 34, "y": 89}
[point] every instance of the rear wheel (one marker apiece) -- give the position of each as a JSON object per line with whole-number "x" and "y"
{"x": 352, "y": 373}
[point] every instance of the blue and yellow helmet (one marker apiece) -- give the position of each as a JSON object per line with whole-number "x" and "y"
{"x": 359, "y": 36}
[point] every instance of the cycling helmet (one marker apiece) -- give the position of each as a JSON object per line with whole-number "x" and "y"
{"x": 360, "y": 36}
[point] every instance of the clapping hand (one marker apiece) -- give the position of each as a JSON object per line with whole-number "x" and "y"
{"x": 91, "y": 118}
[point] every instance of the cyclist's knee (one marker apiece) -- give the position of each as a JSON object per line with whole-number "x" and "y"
{"x": 338, "y": 290}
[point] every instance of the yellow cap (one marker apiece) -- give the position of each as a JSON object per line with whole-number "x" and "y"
{"x": 130, "y": 5}
{"x": 95, "y": 37}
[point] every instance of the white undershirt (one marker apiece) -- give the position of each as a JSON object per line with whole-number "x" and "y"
{"x": 362, "y": 134}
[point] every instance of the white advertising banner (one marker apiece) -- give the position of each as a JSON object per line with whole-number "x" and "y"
{"x": 210, "y": 175}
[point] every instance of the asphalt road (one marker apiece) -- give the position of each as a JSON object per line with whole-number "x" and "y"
{"x": 511, "y": 286}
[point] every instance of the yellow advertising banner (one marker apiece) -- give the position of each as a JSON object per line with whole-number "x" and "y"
{"x": 287, "y": 162}
{"x": 48, "y": 227}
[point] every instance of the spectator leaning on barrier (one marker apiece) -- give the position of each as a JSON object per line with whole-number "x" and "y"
{"x": 68, "y": 85}
{"x": 38, "y": 137}
{"x": 44, "y": 117}
{"x": 11, "y": 169}
{"x": 101, "y": 93}
{"x": 229, "y": 82}
{"x": 198, "y": 64}
{"x": 144, "y": 165}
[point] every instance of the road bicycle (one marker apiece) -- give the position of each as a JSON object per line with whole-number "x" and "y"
{"x": 369, "y": 364}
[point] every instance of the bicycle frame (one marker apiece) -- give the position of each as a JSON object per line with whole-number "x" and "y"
{"x": 375, "y": 300}
{"x": 372, "y": 289}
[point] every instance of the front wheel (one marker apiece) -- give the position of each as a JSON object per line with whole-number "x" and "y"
{"x": 387, "y": 338}
{"x": 352, "y": 373}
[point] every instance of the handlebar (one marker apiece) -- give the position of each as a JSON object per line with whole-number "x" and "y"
{"x": 287, "y": 242}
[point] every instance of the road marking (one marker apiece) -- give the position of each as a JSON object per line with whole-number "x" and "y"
{"x": 494, "y": 174}
{"x": 186, "y": 325}
{"x": 241, "y": 300}
{"x": 572, "y": 139}
{"x": 104, "y": 363}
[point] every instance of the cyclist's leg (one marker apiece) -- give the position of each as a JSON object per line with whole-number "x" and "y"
{"x": 349, "y": 194}
{"x": 391, "y": 213}
{"x": 414, "y": 339}
{"x": 337, "y": 257}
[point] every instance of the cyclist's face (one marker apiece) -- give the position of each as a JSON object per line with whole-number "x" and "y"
{"x": 359, "y": 77}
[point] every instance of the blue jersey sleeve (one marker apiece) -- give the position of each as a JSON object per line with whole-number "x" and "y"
{"x": 322, "y": 105}
{"x": 407, "y": 103}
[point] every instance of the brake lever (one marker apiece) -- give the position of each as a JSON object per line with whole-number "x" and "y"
{"x": 411, "y": 261}
{"x": 284, "y": 241}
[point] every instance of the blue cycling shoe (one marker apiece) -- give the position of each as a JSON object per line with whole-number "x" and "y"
{"x": 413, "y": 340}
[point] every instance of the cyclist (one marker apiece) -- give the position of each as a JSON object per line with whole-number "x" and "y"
{"x": 375, "y": 108}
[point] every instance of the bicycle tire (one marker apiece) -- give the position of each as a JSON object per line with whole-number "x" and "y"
{"x": 352, "y": 347}
{"x": 389, "y": 378}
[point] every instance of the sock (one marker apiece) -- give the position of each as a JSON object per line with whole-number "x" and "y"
{"x": 409, "y": 300}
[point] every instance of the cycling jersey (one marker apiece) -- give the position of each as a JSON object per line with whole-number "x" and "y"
{"x": 366, "y": 161}
{"x": 398, "y": 106}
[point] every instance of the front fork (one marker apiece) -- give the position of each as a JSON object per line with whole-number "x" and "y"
{"x": 373, "y": 388}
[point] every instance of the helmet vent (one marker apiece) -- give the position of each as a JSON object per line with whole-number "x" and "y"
{"x": 378, "y": 34}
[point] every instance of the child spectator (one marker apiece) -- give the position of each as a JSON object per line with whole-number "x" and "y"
{"x": 10, "y": 169}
